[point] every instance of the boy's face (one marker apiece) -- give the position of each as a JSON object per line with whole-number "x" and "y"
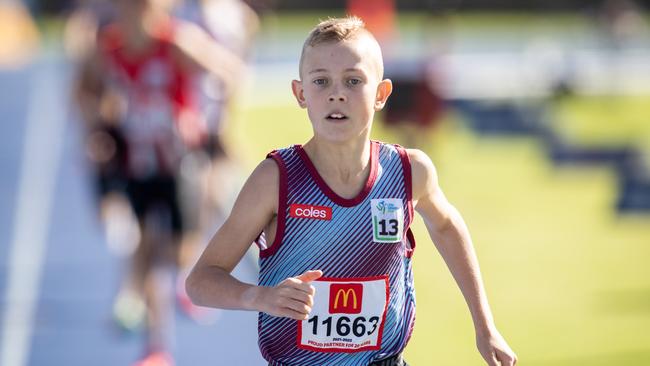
{"x": 341, "y": 87}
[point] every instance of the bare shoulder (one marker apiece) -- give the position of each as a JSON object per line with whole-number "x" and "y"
{"x": 423, "y": 173}
{"x": 267, "y": 174}
{"x": 262, "y": 186}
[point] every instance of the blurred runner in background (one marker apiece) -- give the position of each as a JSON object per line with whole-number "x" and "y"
{"x": 209, "y": 176}
{"x": 136, "y": 94}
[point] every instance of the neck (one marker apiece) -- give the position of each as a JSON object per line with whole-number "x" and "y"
{"x": 345, "y": 162}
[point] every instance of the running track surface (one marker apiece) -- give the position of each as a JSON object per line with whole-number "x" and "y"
{"x": 46, "y": 207}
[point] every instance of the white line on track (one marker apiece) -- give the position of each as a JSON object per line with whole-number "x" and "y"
{"x": 42, "y": 149}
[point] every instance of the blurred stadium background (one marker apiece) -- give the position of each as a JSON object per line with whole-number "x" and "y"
{"x": 536, "y": 114}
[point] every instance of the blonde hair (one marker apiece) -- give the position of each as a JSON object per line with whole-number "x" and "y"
{"x": 335, "y": 30}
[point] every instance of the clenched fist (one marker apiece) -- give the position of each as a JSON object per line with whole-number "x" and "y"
{"x": 291, "y": 298}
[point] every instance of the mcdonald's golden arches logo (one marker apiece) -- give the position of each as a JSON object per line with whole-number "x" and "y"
{"x": 346, "y": 298}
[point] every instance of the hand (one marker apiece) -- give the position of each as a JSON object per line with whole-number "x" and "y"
{"x": 495, "y": 350}
{"x": 292, "y": 298}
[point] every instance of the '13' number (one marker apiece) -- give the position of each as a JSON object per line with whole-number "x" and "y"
{"x": 391, "y": 231}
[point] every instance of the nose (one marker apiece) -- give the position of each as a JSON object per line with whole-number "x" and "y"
{"x": 337, "y": 95}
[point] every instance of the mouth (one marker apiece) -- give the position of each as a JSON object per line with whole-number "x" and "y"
{"x": 336, "y": 116}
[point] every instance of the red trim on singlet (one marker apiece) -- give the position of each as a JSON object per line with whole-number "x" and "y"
{"x": 408, "y": 180}
{"x": 408, "y": 186}
{"x": 344, "y": 202}
{"x": 411, "y": 240}
{"x": 282, "y": 207}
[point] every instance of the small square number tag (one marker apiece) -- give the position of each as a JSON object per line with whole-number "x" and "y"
{"x": 387, "y": 219}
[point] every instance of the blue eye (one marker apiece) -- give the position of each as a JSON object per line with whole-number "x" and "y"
{"x": 354, "y": 81}
{"x": 320, "y": 81}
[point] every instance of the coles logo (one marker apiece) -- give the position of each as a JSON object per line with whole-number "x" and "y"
{"x": 310, "y": 212}
{"x": 346, "y": 298}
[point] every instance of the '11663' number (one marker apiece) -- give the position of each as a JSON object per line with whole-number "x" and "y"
{"x": 344, "y": 325}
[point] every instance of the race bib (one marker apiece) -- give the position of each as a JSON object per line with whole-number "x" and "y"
{"x": 387, "y": 220}
{"x": 348, "y": 315}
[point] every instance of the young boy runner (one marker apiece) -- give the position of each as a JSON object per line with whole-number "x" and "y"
{"x": 335, "y": 284}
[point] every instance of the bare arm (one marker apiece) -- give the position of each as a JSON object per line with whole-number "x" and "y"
{"x": 451, "y": 237}
{"x": 210, "y": 282}
{"x": 89, "y": 87}
{"x": 198, "y": 50}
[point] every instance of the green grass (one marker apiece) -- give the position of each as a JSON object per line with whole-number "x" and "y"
{"x": 607, "y": 120}
{"x": 567, "y": 278}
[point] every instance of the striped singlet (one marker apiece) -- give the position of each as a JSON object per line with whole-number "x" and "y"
{"x": 364, "y": 306}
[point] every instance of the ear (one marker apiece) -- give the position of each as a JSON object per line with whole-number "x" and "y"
{"x": 384, "y": 89}
{"x": 296, "y": 88}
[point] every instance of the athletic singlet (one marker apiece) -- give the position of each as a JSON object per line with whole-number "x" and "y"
{"x": 156, "y": 90}
{"x": 364, "y": 306}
